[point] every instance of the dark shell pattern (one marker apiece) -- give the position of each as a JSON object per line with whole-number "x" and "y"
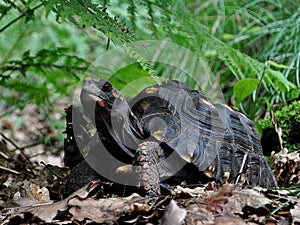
{"x": 217, "y": 140}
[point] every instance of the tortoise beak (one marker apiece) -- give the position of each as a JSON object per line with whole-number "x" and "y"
{"x": 91, "y": 91}
{"x": 94, "y": 96}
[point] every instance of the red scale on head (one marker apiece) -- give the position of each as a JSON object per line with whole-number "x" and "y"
{"x": 101, "y": 103}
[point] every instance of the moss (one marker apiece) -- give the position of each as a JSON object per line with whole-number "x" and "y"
{"x": 289, "y": 119}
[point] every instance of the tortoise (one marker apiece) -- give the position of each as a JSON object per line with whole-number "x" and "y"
{"x": 168, "y": 130}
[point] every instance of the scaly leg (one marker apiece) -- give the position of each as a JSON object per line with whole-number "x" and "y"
{"x": 145, "y": 168}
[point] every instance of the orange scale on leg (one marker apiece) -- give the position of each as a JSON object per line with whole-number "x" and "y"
{"x": 138, "y": 169}
{"x": 145, "y": 165}
{"x": 147, "y": 187}
{"x": 142, "y": 159}
{"x": 145, "y": 176}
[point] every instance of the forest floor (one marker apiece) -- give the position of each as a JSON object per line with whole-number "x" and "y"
{"x": 32, "y": 174}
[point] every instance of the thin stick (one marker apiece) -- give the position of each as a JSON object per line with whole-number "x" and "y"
{"x": 28, "y": 146}
{"x": 9, "y": 170}
{"x": 242, "y": 167}
{"x": 10, "y": 141}
{"x": 4, "y": 155}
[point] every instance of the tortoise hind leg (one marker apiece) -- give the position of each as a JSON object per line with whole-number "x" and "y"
{"x": 145, "y": 168}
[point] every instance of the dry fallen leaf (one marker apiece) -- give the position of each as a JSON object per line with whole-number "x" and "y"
{"x": 101, "y": 210}
{"x": 245, "y": 197}
{"x": 286, "y": 167}
{"x": 173, "y": 215}
{"x": 228, "y": 220}
{"x": 192, "y": 192}
{"x": 34, "y": 194}
{"x": 216, "y": 201}
{"x": 49, "y": 212}
{"x": 45, "y": 211}
{"x": 296, "y": 212}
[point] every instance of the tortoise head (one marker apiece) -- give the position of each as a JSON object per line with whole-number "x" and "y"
{"x": 101, "y": 94}
{"x": 109, "y": 111}
{"x": 102, "y": 102}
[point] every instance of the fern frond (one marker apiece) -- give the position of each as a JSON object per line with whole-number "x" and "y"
{"x": 132, "y": 11}
{"x": 87, "y": 14}
{"x": 25, "y": 9}
{"x": 44, "y": 61}
{"x": 151, "y": 17}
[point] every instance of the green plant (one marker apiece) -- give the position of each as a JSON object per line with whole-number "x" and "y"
{"x": 222, "y": 32}
{"x": 289, "y": 121}
{"x": 251, "y": 47}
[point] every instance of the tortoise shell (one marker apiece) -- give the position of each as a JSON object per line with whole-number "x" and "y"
{"x": 217, "y": 140}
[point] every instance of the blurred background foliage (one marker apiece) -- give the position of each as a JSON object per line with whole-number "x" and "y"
{"x": 251, "y": 47}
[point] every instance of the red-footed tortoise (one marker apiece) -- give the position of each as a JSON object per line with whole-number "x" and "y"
{"x": 169, "y": 130}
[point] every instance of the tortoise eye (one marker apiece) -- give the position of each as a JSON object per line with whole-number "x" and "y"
{"x": 106, "y": 87}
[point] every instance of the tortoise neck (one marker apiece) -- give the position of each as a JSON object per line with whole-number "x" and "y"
{"x": 121, "y": 125}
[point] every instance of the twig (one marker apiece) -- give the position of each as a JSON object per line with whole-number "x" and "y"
{"x": 4, "y": 155}
{"x": 67, "y": 69}
{"x": 242, "y": 167}
{"x": 9, "y": 140}
{"x": 17, "y": 147}
{"x": 41, "y": 153}
{"x": 278, "y": 129}
{"x": 9, "y": 170}
{"x": 28, "y": 146}
{"x": 25, "y": 207}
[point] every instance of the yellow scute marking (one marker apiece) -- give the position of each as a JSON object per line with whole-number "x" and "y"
{"x": 226, "y": 106}
{"x": 187, "y": 157}
{"x": 115, "y": 94}
{"x": 208, "y": 174}
{"x": 205, "y": 102}
{"x": 226, "y": 176}
{"x": 151, "y": 90}
{"x": 158, "y": 134}
{"x": 144, "y": 105}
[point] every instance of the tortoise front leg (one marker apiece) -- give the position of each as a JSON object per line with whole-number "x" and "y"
{"x": 145, "y": 168}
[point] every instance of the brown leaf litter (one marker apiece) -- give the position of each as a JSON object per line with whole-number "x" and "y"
{"x": 229, "y": 204}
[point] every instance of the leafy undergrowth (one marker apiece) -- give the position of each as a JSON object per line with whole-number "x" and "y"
{"x": 288, "y": 119}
